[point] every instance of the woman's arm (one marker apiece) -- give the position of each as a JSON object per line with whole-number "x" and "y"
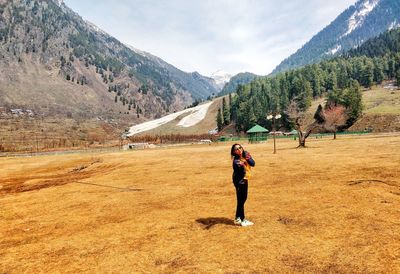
{"x": 248, "y": 158}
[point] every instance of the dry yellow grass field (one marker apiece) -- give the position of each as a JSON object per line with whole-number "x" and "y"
{"x": 332, "y": 207}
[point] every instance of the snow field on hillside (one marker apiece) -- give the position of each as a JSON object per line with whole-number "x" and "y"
{"x": 196, "y": 115}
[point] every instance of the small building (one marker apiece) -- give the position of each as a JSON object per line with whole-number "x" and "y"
{"x": 276, "y": 133}
{"x": 136, "y": 146}
{"x": 17, "y": 111}
{"x": 213, "y": 131}
{"x": 291, "y": 133}
{"x": 257, "y": 134}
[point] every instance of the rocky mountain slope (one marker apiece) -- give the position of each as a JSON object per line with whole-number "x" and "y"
{"x": 54, "y": 62}
{"x": 363, "y": 20}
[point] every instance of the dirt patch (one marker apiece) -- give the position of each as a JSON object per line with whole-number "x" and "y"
{"x": 377, "y": 122}
{"x": 288, "y": 221}
{"x": 356, "y": 182}
{"x": 285, "y": 220}
{"x": 82, "y": 167}
{"x": 372, "y": 181}
{"x": 38, "y": 182}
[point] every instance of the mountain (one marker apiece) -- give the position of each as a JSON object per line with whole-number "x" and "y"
{"x": 200, "y": 86}
{"x": 342, "y": 80}
{"x": 363, "y": 20}
{"x": 221, "y": 78}
{"x": 54, "y": 62}
{"x": 242, "y": 78}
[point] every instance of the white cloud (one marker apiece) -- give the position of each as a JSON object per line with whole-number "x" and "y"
{"x": 236, "y": 36}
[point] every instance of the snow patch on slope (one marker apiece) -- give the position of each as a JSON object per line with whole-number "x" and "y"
{"x": 195, "y": 117}
{"x": 59, "y": 2}
{"x": 197, "y": 114}
{"x": 358, "y": 17}
{"x": 334, "y": 50}
{"x": 394, "y": 25}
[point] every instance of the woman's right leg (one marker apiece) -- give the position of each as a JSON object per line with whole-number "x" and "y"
{"x": 241, "y": 196}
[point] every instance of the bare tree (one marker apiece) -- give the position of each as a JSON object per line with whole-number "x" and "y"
{"x": 298, "y": 117}
{"x": 335, "y": 118}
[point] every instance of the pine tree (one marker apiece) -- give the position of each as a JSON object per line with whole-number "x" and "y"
{"x": 352, "y": 100}
{"x": 378, "y": 71}
{"x": 305, "y": 97}
{"x": 398, "y": 78}
{"x": 367, "y": 75}
{"x": 342, "y": 75}
{"x": 391, "y": 68}
{"x": 225, "y": 112}
{"x": 316, "y": 82}
{"x": 220, "y": 121}
{"x": 252, "y": 119}
{"x": 63, "y": 61}
{"x": 331, "y": 83}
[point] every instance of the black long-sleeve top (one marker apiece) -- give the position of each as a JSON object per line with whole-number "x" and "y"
{"x": 241, "y": 167}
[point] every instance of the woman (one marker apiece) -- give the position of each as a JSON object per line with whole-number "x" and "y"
{"x": 242, "y": 163}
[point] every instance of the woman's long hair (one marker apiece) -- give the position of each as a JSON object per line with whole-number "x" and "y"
{"x": 233, "y": 154}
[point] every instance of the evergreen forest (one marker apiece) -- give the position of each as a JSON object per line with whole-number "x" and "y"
{"x": 340, "y": 80}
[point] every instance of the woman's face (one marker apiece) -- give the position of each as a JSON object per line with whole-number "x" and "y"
{"x": 238, "y": 150}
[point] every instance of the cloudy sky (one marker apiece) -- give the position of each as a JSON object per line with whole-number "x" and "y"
{"x": 208, "y": 35}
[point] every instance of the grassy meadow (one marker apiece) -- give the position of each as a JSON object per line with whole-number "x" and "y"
{"x": 382, "y": 101}
{"x": 332, "y": 207}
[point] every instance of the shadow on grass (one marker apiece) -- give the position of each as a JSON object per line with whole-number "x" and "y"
{"x": 212, "y": 221}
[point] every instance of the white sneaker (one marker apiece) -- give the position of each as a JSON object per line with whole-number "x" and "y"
{"x": 246, "y": 223}
{"x": 237, "y": 221}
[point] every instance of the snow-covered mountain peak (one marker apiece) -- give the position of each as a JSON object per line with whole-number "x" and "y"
{"x": 221, "y": 78}
{"x": 359, "y": 15}
{"x": 361, "y": 21}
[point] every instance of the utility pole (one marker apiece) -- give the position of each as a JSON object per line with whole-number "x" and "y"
{"x": 274, "y": 117}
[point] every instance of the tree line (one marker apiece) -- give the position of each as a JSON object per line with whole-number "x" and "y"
{"x": 339, "y": 79}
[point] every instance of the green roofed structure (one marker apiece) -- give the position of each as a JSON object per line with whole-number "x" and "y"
{"x": 257, "y": 134}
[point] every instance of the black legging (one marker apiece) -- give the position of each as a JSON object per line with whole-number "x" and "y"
{"x": 241, "y": 195}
